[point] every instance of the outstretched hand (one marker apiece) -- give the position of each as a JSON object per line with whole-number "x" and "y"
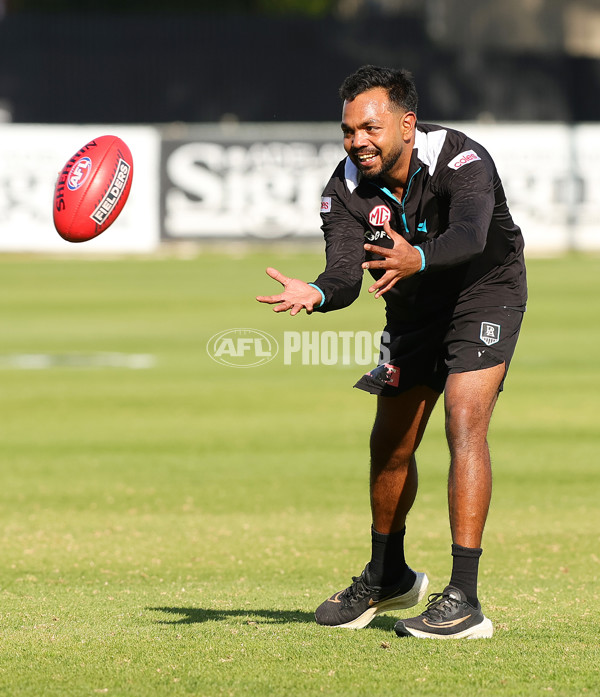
{"x": 296, "y": 296}
{"x": 402, "y": 261}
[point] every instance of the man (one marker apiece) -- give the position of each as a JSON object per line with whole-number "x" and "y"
{"x": 423, "y": 209}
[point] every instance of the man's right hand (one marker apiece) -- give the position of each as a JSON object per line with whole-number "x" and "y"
{"x": 297, "y": 295}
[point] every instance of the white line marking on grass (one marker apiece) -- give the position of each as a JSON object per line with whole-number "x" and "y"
{"x": 45, "y": 361}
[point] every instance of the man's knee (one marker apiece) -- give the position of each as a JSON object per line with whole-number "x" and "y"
{"x": 465, "y": 414}
{"x": 467, "y": 424}
{"x": 470, "y": 399}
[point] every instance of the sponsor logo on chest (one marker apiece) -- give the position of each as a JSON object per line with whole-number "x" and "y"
{"x": 379, "y": 215}
{"x": 373, "y": 236}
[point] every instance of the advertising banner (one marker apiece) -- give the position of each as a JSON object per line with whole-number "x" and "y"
{"x": 248, "y": 181}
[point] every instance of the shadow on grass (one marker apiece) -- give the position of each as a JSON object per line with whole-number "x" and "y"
{"x": 195, "y": 615}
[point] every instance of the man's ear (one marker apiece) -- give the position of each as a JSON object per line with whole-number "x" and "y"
{"x": 408, "y": 121}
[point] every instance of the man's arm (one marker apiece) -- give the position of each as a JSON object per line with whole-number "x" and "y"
{"x": 341, "y": 279}
{"x": 339, "y": 284}
{"x": 470, "y": 191}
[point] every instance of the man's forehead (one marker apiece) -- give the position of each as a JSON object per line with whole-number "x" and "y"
{"x": 368, "y": 106}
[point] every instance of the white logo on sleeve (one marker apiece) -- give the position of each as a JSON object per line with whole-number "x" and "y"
{"x": 325, "y": 204}
{"x": 464, "y": 159}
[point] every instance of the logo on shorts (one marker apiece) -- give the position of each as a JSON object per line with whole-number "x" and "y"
{"x": 490, "y": 333}
{"x": 379, "y": 215}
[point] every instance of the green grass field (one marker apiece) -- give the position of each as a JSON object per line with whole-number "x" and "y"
{"x": 170, "y": 530}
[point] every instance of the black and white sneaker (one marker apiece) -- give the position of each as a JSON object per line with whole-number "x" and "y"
{"x": 448, "y": 616}
{"x": 358, "y": 604}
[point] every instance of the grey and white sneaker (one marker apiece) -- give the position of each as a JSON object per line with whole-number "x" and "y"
{"x": 448, "y": 616}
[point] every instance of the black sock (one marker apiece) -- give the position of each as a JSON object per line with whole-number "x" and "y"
{"x": 388, "y": 566}
{"x": 465, "y": 567}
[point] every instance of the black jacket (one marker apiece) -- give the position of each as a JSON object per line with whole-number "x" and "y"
{"x": 454, "y": 209}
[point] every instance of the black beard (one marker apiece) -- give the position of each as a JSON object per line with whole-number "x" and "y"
{"x": 387, "y": 164}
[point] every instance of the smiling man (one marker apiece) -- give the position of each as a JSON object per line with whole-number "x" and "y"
{"x": 422, "y": 208}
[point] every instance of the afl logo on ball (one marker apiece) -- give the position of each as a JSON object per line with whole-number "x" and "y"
{"x": 379, "y": 215}
{"x": 79, "y": 173}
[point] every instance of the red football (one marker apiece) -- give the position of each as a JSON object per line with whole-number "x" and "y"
{"x": 92, "y": 189}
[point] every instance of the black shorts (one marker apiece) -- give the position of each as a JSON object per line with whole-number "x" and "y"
{"x": 426, "y": 354}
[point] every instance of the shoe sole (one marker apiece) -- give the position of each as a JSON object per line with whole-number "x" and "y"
{"x": 483, "y": 630}
{"x": 401, "y": 602}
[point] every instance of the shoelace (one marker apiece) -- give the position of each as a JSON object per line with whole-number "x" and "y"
{"x": 437, "y": 604}
{"x": 356, "y": 591}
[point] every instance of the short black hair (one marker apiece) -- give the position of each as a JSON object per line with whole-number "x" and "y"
{"x": 398, "y": 83}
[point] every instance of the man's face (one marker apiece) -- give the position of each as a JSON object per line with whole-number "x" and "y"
{"x": 374, "y": 134}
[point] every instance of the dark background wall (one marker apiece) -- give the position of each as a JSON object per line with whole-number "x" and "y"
{"x": 153, "y": 68}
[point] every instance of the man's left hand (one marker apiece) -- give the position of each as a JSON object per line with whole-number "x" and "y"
{"x": 402, "y": 261}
